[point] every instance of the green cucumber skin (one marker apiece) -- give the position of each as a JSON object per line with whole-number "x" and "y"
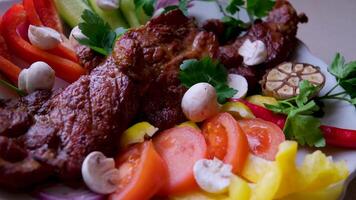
{"x": 128, "y": 9}
{"x": 113, "y": 18}
{"x": 71, "y": 10}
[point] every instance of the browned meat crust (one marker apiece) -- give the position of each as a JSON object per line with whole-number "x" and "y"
{"x": 152, "y": 55}
{"x": 278, "y": 32}
{"x": 87, "y": 116}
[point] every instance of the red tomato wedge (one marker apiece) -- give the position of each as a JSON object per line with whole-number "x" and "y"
{"x": 226, "y": 141}
{"x": 263, "y": 137}
{"x": 180, "y": 147}
{"x": 15, "y": 16}
{"x": 142, "y": 173}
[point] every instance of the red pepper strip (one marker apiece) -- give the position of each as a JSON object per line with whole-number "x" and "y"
{"x": 333, "y": 136}
{"x": 265, "y": 114}
{"x": 339, "y": 137}
{"x": 65, "y": 69}
{"x": 34, "y": 19}
{"x": 10, "y": 70}
{"x": 48, "y": 14}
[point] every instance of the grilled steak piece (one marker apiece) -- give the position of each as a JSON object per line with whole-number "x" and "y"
{"x": 278, "y": 33}
{"x": 87, "y": 116}
{"x": 162, "y": 45}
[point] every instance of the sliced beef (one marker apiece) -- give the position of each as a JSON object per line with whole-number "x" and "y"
{"x": 87, "y": 116}
{"x": 162, "y": 45}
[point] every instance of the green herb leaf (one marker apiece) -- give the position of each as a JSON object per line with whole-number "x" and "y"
{"x": 99, "y": 35}
{"x": 300, "y": 124}
{"x": 341, "y": 70}
{"x": 306, "y": 91}
{"x": 183, "y": 6}
{"x": 233, "y": 28}
{"x": 12, "y": 87}
{"x": 259, "y": 8}
{"x": 234, "y": 6}
{"x": 349, "y": 86}
{"x": 305, "y": 129}
{"x": 148, "y": 6}
{"x": 206, "y": 70}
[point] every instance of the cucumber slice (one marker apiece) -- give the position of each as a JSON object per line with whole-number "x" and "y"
{"x": 113, "y": 18}
{"x": 71, "y": 10}
{"x": 127, "y": 8}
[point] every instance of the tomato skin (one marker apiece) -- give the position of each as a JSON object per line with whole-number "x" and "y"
{"x": 224, "y": 131}
{"x": 180, "y": 147}
{"x": 263, "y": 136}
{"x": 143, "y": 173}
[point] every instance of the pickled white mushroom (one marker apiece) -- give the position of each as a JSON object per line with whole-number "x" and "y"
{"x": 253, "y": 53}
{"x": 212, "y": 176}
{"x": 44, "y": 37}
{"x": 99, "y": 173}
{"x": 238, "y": 83}
{"x": 108, "y": 4}
{"x": 39, "y": 76}
{"x": 200, "y": 102}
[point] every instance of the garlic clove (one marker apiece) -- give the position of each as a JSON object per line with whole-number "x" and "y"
{"x": 200, "y": 102}
{"x": 39, "y": 76}
{"x": 99, "y": 173}
{"x": 43, "y": 37}
{"x": 212, "y": 176}
{"x": 238, "y": 83}
{"x": 108, "y": 5}
{"x": 253, "y": 53}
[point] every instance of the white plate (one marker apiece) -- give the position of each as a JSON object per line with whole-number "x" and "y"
{"x": 338, "y": 114}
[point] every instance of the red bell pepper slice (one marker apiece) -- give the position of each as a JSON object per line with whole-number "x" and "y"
{"x": 265, "y": 114}
{"x": 333, "y": 136}
{"x": 339, "y": 137}
{"x": 15, "y": 16}
{"x": 39, "y": 20}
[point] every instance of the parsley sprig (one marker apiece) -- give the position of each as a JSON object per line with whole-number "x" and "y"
{"x": 345, "y": 74}
{"x": 148, "y": 6}
{"x": 99, "y": 35}
{"x": 301, "y": 125}
{"x": 12, "y": 87}
{"x": 206, "y": 70}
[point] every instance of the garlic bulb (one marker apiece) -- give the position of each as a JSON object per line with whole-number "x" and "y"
{"x": 39, "y": 76}
{"x": 253, "y": 53}
{"x": 43, "y": 37}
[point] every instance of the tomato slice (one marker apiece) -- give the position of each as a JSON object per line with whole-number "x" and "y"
{"x": 180, "y": 147}
{"x": 142, "y": 173}
{"x": 263, "y": 137}
{"x": 226, "y": 141}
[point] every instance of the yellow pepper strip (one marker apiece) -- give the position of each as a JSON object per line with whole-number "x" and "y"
{"x": 319, "y": 171}
{"x": 238, "y": 110}
{"x": 255, "y": 168}
{"x": 200, "y": 196}
{"x": 137, "y": 134}
{"x": 261, "y": 100}
{"x": 239, "y": 189}
{"x": 189, "y": 124}
{"x": 329, "y": 193}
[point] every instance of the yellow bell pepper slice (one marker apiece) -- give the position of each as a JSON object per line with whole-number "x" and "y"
{"x": 262, "y": 100}
{"x": 137, "y": 134}
{"x": 200, "y": 196}
{"x": 239, "y": 189}
{"x": 238, "y": 110}
{"x": 189, "y": 124}
{"x": 255, "y": 168}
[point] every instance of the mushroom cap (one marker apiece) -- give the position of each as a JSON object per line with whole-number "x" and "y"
{"x": 282, "y": 81}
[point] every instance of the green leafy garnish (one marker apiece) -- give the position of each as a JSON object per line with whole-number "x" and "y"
{"x": 12, "y": 87}
{"x": 345, "y": 74}
{"x": 182, "y": 5}
{"x": 99, "y": 35}
{"x": 259, "y": 8}
{"x": 234, "y": 6}
{"x": 148, "y": 6}
{"x": 301, "y": 125}
{"x": 206, "y": 70}
{"x": 233, "y": 27}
